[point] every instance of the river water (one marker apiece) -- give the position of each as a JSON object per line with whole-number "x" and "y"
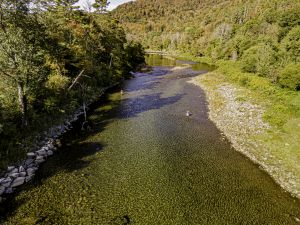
{"x": 146, "y": 162}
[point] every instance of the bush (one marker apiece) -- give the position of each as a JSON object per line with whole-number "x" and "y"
{"x": 259, "y": 59}
{"x": 290, "y": 77}
{"x": 291, "y": 45}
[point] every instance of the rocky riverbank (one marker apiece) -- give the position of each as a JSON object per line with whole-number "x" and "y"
{"x": 242, "y": 123}
{"x": 25, "y": 170}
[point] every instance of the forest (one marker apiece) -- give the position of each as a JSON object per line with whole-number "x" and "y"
{"x": 44, "y": 46}
{"x": 262, "y": 36}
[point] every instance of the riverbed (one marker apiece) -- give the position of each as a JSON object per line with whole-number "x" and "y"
{"x": 145, "y": 162}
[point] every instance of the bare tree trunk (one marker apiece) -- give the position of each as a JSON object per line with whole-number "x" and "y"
{"x": 22, "y": 104}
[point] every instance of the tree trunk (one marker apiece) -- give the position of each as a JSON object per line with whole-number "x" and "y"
{"x": 22, "y": 104}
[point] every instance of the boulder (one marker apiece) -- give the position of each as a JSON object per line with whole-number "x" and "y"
{"x": 21, "y": 169}
{"x": 18, "y": 181}
{"x": 9, "y": 190}
{"x": 22, "y": 174}
{"x": 41, "y": 152}
{"x": 28, "y": 162}
{"x": 14, "y": 175}
{"x": 30, "y": 171}
{"x": 49, "y": 153}
{"x": 2, "y": 189}
{"x": 10, "y": 168}
{"x": 39, "y": 159}
{"x": 6, "y": 182}
{"x": 29, "y": 178}
{"x": 30, "y": 155}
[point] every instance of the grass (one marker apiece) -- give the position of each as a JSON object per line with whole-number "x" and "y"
{"x": 282, "y": 111}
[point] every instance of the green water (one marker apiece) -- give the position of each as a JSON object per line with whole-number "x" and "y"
{"x": 145, "y": 162}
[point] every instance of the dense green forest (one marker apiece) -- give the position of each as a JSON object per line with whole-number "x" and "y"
{"x": 263, "y": 36}
{"x": 44, "y": 46}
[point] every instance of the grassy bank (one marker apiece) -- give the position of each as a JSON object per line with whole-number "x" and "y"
{"x": 274, "y": 142}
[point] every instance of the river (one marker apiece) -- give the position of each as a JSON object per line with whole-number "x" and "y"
{"x": 146, "y": 162}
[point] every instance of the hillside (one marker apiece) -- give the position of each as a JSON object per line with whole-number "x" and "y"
{"x": 263, "y": 35}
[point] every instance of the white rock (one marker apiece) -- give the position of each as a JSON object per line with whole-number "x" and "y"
{"x": 10, "y": 168}
{"x": 30, "y": 155}
{"x": 18, "y": 181}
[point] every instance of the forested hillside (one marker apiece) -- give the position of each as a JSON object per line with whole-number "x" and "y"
{"x": 44, "y": 46}
{"x": 264, "y": 36}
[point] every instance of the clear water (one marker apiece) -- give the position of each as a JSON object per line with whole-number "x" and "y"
{"x": 145, "y": 162}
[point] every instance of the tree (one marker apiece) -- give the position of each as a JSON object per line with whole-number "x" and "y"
{"x": 20, "y": 53}
{"x": 100, "y": 5}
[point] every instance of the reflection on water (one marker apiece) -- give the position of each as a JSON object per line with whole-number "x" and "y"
{"x": 160, "y": 60}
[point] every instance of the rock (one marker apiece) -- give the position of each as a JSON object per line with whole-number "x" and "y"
{"x": 54, "y": 149}
{"x": 9, "y": 190}
{"x": 18, "y": 181}
{"x": 40, "y": 159}
{"x": 2, "y": 189}
{"x": 30, "y": 171}
{"x": 14, "y": 175}
{"x": 10, "y": 168}
{"x": 49, "y": 153}
{"x": 22, "y": 174}
{"x": 21, "y": 169}
{"x": 28, "y": 162}
{"x": 29, "y": 178}
{"x": 6, "y": 182}
{"x": 41, "y": 152}
{"x": 30, "y": 155}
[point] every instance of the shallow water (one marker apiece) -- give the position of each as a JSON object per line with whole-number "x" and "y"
{"x": 145, "y": 162}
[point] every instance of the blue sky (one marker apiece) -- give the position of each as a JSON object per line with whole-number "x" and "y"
{"x": 113, "y": 3}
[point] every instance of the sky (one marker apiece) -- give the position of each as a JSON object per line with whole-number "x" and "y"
{"x": 113, "y": 3}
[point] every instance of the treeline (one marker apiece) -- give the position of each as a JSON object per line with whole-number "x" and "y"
{"x": 44, "y": 46}
{"x": 263, "y": 37}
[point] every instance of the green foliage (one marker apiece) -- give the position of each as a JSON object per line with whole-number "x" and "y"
{"x": 262, "y": 35}
{"x": 259, "y": 59}
{"x": 43, "y": 49}
{"x": 290, "y": 76}
{"x": 291, "y": 45}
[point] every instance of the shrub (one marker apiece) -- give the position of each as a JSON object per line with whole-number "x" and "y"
{"x": 290, "y": 45}
{"x": 290, "y": 76}
{"x": 259, "y": 59}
